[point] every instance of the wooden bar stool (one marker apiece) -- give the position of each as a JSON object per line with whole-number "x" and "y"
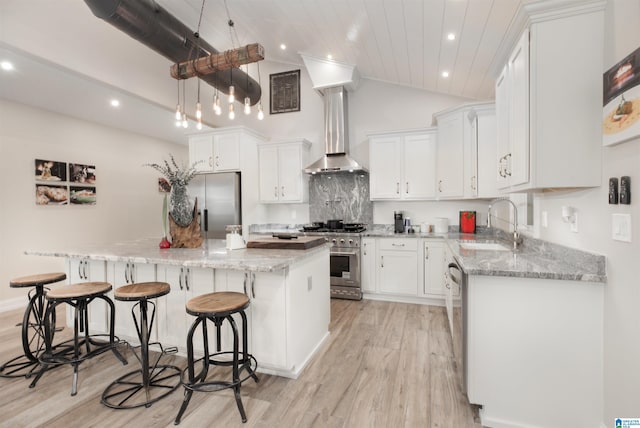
{"x": 33, "y": 343}
{"x": 217, "y": 307}
{"x": 149, "y": 383}
{"x": 78, "y": 349}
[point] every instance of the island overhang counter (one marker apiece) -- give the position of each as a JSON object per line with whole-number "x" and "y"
{"x": 289, "y": 313}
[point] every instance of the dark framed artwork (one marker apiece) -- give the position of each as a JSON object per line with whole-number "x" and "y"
{"x": 48, "y": 170}
{"x": 83, "y": 195}
{"x": 47, "y": 194}
{"x": 621, "y": 100}
{"x": 285, "y": 92}
{"x": 82, "y": 174}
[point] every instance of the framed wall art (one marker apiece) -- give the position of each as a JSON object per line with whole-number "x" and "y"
{"x": 285, "y": 92}
{"x": 621, "y": 100}
{"x": 64, "y": 183}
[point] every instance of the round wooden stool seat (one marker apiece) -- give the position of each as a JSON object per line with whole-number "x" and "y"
{"x": 141, "y": 291}
{"x": 217, "y": 304}
{"x": 79, "y": 291}
{"x": 39, "y": 279}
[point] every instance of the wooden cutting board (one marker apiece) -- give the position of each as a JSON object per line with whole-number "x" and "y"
{"x": 299, "y": 243}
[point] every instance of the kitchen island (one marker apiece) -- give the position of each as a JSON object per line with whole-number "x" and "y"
{"x": 289, "y": 292}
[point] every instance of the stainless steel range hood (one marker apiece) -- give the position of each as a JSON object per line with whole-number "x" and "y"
{"x": 336, "y": 135}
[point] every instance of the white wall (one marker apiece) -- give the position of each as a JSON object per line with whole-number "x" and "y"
{"x": 128, "y": 206}
{"x": 622, "y": 291}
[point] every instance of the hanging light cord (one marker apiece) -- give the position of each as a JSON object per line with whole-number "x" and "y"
{"x": 232, "y": 28}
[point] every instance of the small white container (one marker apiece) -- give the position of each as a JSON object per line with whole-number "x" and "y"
{"x": 441, "y": 225}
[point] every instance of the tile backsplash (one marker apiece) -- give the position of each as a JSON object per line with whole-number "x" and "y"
{"x": 342, "y": 195}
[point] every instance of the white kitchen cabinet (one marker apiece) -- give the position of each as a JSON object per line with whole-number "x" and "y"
{"x": 402, "y": 165}
{"x": 221, "y": 150}
{"x": 368, "y": 265}
{"x": 281, "y": 176}
{"x": 173, "y": 322}
{"x": 450, "y": 157}
{"x": 549, "y": 104}
{"x": 397, "y": 267}
{"x": 85, "y": 270}
{"x": 479, "y": 151}
{"x": 124, "y": 273}
{"x": 433, "y": 264}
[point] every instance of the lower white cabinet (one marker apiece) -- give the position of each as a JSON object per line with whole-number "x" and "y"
{"x": 433, "y": 263}
{"x": 172, "y": 320}
{"x": 368, "y": 265}
{"x": 397, "y": 270}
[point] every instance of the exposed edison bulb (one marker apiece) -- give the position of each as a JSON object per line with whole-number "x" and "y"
{"x": 199, "y": 125}
{"x": 232, "y": 94}
{"x": 247, "y": 105}
{"x": 178, "y": 114}
{"x": 216, "y": 105}
{"x": 178, "y": 123}
{"x": 260, "y": 112}
{"x": 185, "y": 124}
{"x": 198, "y": 110}
{"x": 232, "y": 114}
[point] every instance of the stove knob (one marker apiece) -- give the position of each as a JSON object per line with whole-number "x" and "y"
{"x": 333, "y": 240}
{"x": 342, "y": 241}
{"x": 350, "y": 241}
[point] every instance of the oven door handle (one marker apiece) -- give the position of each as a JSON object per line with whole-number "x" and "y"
{"x": 343, "y": 253}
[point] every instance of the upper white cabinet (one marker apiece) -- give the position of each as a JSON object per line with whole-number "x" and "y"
{"x": 402, "y": 164}
{"x": 220, "y": 150}
{"x": 281, "y": 176}
{"x": 549, "y": 100}
{"x": 480, "y": 140}
{"x": 466, "y": 152}
{"x": 450, "y": 175}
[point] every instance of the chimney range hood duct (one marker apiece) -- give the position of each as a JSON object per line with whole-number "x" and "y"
{"x": 336, "y": 134}
{"x": 153, "y": 26}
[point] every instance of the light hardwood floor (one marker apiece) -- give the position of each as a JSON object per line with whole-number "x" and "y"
{"x": 384, "y": 365}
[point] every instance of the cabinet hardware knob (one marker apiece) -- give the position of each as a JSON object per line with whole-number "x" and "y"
{"x": 180, "y": 278}
{"x": 186, "y": 279}
{"x": 407, "y": 187}
{"x": 397, "y": 187}
{"x": 244, "y": 283}
{"x": 440, "y": 186}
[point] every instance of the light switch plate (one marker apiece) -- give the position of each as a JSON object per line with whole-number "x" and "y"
{"x": 621, "y": 227}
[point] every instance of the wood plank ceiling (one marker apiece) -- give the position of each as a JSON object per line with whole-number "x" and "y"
{"x": 398, "y": 41}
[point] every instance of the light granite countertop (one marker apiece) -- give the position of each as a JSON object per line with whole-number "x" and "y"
{"x": 533, "y": 259}
{"x": 212, "y": 254}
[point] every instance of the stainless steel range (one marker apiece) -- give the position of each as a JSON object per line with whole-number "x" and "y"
{"x": 344, "y": 258}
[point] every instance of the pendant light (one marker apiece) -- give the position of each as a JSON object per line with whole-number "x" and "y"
{"x": 178, "y": 113}
{"x": 198, "y": 110}
{"x": 247, "y": 101}
{"x": 185, "y": 123}
{"x": 260, "y": 112}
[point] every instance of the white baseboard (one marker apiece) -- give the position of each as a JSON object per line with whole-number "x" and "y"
{"x": 12, "y": 304}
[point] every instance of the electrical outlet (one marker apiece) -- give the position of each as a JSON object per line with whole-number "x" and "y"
{"x": 621, "y": 227}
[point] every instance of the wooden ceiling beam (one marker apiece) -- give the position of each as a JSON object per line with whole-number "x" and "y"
{"x": 232, "y": 58}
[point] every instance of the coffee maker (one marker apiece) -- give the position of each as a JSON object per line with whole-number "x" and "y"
{"x": 398, "y": 221}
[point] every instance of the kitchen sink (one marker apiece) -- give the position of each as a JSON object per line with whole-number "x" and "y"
{"x": 486, "y": 246}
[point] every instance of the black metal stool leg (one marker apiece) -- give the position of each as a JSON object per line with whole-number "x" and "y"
{"x": 190, "y": 365}
{"x": 236, "y": 372}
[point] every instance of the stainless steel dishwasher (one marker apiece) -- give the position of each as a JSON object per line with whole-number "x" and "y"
{"x": 458, "y": 279}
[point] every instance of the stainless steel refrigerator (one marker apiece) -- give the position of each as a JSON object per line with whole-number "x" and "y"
{"x": 219, "y": 202}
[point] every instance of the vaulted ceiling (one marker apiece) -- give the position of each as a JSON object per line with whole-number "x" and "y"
{"x": 67, "y": 51}
{"x": 399, "y": 41}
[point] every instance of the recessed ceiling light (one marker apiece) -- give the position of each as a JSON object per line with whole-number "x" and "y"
{"x": 283, "y": 46}
{"x": 329, "y": 56}
{"x": 115, "y": 103}
{"x": 451, "y": 36}
{"x": 6, "y": 65}
{"x": 445, "y": 74}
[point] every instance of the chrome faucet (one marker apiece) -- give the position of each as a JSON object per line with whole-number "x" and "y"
{"x": 517, "y": 239}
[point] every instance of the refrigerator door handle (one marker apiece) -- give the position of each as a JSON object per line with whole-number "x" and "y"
{"x": 206, "y": 220}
